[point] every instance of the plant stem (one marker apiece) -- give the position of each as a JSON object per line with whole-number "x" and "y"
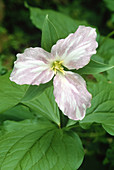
{"x": 63, "y": 119}
{"x": 109, "y": 35}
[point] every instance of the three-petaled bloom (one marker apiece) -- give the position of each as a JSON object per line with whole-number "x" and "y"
{"x": 36, "y": 66}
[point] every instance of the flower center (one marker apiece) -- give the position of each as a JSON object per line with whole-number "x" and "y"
{"x": 57, "y": 67}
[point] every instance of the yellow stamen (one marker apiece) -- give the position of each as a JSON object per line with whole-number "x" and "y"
{"x": 57, "y": 66}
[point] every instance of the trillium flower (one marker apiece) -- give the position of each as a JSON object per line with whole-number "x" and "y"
{"x": 36, "y": 66}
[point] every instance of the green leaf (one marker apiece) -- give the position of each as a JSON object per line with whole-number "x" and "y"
{"x": 94, "y": 67}
{"x": 102, "y": 106}
{"x": 10, "y": 93}
{"x": 110, "y": 155}
{"x": 49, "y": 34}
{"x": 111, "y": 72}
{"x": 63, "y": 24}
{"x": 109, "y": 128}
{"x": 112, "y": 20}
{"x": 106, "y": 48}
{"x": 71, "y": 122}
{"x": 18, "y": 112}
{"x": 98, "y": 58}
{"x": 34, "y": 91}
{"x": 45, "y": 105}
{"x": 100, "y": 77}
{"x": 110, "y": 4}
{"x": 39, "y": 145}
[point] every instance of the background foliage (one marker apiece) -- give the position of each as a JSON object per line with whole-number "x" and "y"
{"x": 17, "y": 33}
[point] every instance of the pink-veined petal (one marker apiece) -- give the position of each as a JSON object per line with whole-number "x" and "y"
{"x": 32, "y": 67}
{"x": 71, "y": 95}
{"x": 76, "y": 49}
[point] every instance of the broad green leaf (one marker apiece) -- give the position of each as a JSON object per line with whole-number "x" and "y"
{"x": 102, "y": 106}
{"x": 49, "y": 34}
{"x": 10, "y": 93}
{"x": 18, "y": 112}
{"x": 39, "y": 145}
{"x": 63, "y": 24}
{"x": 34, "y": 91}
{"x": 106, "y": 48}
{"x": 45, "y": 105}
{"x": 94, "y": 67}
{"x": 100, "y": 77}
{"x": 109, "y": 128}
{"x": 98, "y": 58}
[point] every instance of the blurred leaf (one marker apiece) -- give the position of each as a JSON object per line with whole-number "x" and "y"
{"x": 110, "y": 154}
{"x": 39, "y": 145}
{"x": 110, "y": 22}
{"x": 3, "y": 70}
{"x": 110, "y": 4}
{"x": 49, "y": 34}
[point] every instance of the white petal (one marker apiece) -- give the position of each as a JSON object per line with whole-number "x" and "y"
{"x": 77, "y": 48}
{"x": 32, "y": 67}
{"x": 71, "y": 95}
